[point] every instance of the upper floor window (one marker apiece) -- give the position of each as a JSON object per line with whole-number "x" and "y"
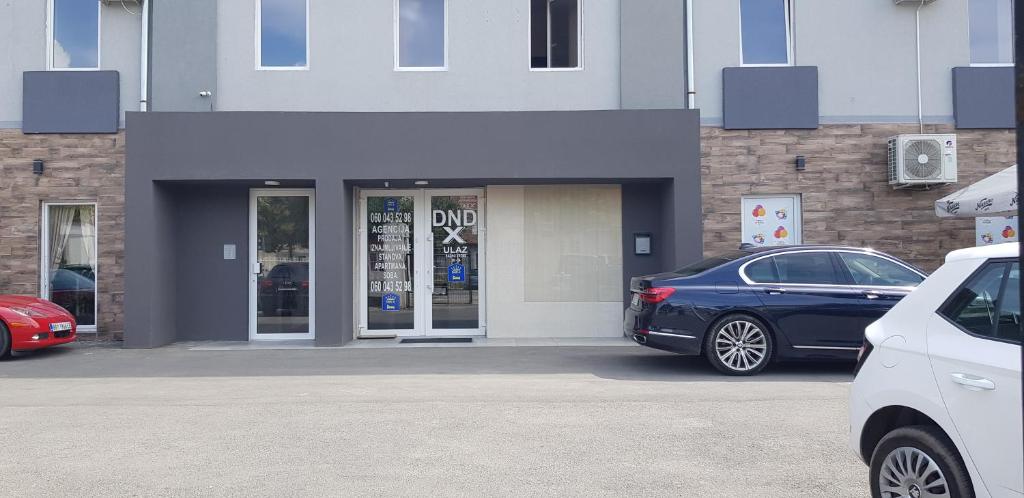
{"x": 74, "y": 38}
{"x": 991, "y": 31}
{"x": 765, "y": 33}
{"x": 421, "y": 35}
{"x": 556, "y": 34}
{"x": 282, "y": 34}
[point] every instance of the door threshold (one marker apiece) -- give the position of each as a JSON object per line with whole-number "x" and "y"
{"x": 435, "y": 340}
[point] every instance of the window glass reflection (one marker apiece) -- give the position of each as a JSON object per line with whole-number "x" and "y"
{"x": 71, "y": 233}
{"x": 421, "y": 33}
{"x": 76, "y": 34}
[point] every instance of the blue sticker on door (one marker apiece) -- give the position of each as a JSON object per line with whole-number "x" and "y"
{"x": 390, "y": 302}
{"x": 456, "y": 272}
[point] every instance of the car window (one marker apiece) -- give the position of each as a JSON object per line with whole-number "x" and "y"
{"x": 867, "y": 269}
{"x": 709, "y": 263}
{"x": 975, "y": 306}
{"x": 762, "y": 271}
{"x": 805, "y": 268}
{"x": 1008, "y": 324}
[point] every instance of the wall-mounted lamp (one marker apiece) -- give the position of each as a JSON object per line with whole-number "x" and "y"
{"x": 421, "y": 182}
{"x": 801, "y": 163}
{"x": 37, "y": 166}
{"x": 205, "y": 93}
{"x": 271, "y": 183}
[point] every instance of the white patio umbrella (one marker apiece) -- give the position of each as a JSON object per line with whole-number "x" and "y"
{"x": 993, "y": 196}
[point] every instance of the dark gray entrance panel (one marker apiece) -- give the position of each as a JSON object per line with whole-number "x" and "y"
{"x": 770, "y": 97}
{"x": 983, "y": 97}
{"x": 654, "y": 154}
{"x": 70, "y": 102}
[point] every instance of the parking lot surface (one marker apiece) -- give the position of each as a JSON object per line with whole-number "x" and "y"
{"x": 524, "y": 421}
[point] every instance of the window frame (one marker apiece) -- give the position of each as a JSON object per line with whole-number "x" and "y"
{"x": 1013, "y": 30}
{"x": 580, "y": 40}
{"x": 1008, "y": 262}
{"x": 50, "y": 33}
{"x": 790, "y": 53}
{"x": 44, "y": 253}
{"x": 259, "y": 42}
{"x": 397, "y": 37}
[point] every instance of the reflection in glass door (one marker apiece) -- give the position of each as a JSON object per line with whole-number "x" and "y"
{"x": 421, "y": 260}
{"x": 281, "y": 264}
{"x": 69, "y": 260}
{"x": 455, "y": 266}
{"x": 391, "y": 262}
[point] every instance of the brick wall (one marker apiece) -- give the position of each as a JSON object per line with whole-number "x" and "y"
{"x": 78, "y": 168}
{"x": 845, "y": 192}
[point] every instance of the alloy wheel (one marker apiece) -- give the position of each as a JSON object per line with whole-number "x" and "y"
{"x": 910, "y": 472}
{"x": 741, "y": 345}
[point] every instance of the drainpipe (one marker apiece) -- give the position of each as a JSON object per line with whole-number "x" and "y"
{"x": 691, "y": 94}
{"x": 144, "y": 58}
{"x": 920, "y": 109}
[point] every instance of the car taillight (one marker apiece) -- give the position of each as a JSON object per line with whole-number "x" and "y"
{"x": 655, "y": 295}
{"x": 266, "y": 284}
{"x": 862, "y": 355}
{"x": 305, "y": 284}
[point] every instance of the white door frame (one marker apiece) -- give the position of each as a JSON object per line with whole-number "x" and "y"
{"x": 253, "y": 262}
{"x": 44, "y": 257}
{"x": 422, "y": 261}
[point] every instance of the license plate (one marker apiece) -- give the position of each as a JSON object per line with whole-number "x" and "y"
{"x": 60, "y": 326}
{"x": 636, "y": 300}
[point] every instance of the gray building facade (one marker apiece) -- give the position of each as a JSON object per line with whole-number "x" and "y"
{"x": 336, "y": 170}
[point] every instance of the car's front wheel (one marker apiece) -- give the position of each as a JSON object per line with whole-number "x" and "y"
{"x": 739, "y": 345}
{"x": 5, "y": 341}
{"x": 918, "y": 461}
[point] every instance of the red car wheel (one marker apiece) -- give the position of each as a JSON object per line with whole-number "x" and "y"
{"x": 5, "y": 341}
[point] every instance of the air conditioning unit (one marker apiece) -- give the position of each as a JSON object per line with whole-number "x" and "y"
{"x": 922, "y": 160}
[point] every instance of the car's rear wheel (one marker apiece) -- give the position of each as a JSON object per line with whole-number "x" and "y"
{"x": 918, "y": 461}
{"x": 739, "y": 345}
{"x": 5, "y": 341}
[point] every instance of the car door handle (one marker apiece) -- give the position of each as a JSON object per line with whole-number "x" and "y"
{"x": 871, "y": 295}
{"x": 973, "y": 382}
{"x": 774, "y": 291}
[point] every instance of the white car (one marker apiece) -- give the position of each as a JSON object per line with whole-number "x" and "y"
{"x": 935, "y": 409}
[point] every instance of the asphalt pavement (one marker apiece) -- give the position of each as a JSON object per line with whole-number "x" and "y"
{"x": 485, "y": 421}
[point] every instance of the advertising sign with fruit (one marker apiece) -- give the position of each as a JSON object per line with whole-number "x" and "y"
{"x": 995, "y": 230}
{"x": 771, "y": 220}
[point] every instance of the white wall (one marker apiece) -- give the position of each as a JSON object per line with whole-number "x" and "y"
{"x": 23, "y": 48}
{"x": 351, "y": 62}
{"x": 509, "y": 315}
{"x": 864, "y": 50}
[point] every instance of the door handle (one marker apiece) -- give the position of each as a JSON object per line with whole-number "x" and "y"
{"x": 973, "y": 382}
{"x": 871, "y": 295}
{"x": 775, "y": 291}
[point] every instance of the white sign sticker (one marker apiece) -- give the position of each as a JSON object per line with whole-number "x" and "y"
{"x": 989, "y": 230}
{"x": 771, "y": 220}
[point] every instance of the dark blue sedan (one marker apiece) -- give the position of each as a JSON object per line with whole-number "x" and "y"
{"x": 746, "y": 308}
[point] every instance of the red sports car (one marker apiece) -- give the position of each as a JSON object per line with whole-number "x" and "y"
{"x": 28, "y": 323}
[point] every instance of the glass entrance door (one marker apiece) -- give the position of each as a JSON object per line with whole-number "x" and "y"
{"x": 454, "y": 263}
{"x": 281, "y": 255}
{"x": 420, "y": 258}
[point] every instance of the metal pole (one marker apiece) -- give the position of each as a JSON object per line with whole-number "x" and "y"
{"x": 1018, "y": 42}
